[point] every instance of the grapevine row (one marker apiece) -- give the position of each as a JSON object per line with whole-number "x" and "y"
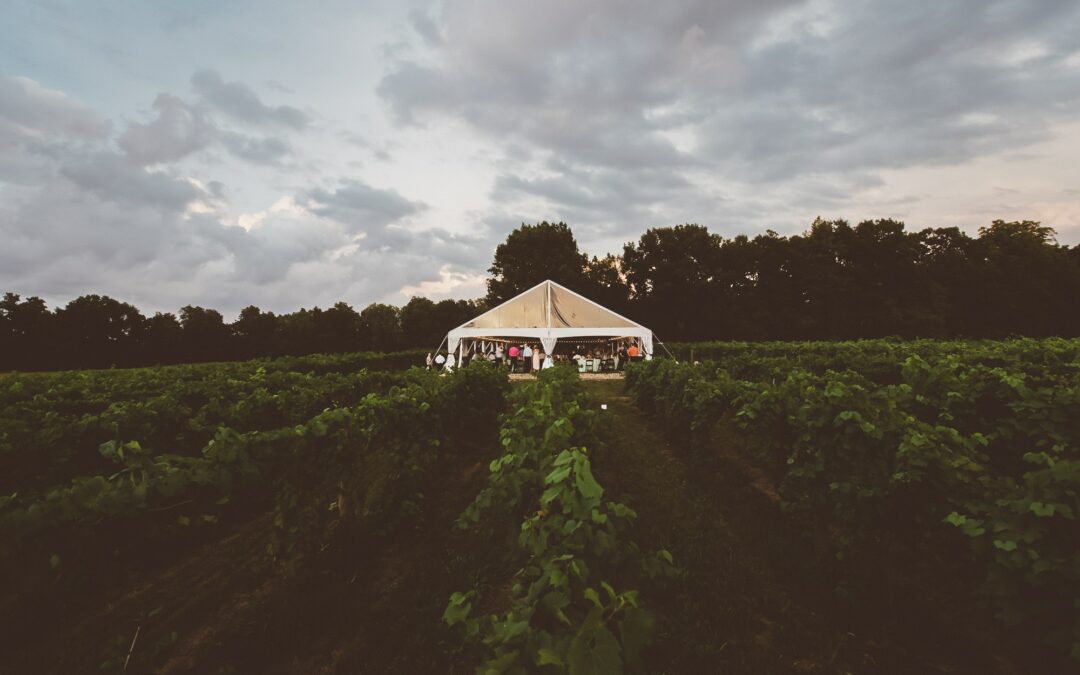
{"x": 953, "y": 448}
{"x": 570, "y": 608}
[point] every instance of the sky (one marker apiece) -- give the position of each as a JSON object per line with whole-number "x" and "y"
{"x": 290, "y": 155}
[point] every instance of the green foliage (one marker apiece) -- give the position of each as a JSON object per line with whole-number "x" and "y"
{"x": 912, "y": 442}
{"x": 563, "y": 616}
{"x": 366, "y": 455}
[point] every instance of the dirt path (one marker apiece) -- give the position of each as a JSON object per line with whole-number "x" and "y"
{"x": 749, "y": 603}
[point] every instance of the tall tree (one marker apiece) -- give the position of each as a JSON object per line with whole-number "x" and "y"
{"x": 380, "y": 329}
{"x": 98, "y": 331}
{"x": 533, "y": 253}
{"x": 670, "y": 273}
{"x": 206, "y": 337}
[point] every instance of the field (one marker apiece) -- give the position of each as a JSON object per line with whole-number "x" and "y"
{"x": 860, "y": 507}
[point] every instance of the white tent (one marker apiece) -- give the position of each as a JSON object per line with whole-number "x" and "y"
{"x": 548, "y": 312}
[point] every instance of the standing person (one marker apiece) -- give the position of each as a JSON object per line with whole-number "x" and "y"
{"x": 428, "y": 361}
{"x": 498, "y": 353}
{"x": 439, "y": 360}
{"x": 633, "y": 352}
{"x": 536, "y": 359}
{"x": 450, "y": 361}
{"x": 527, "y": 356}
{"x": 514, "y": 352}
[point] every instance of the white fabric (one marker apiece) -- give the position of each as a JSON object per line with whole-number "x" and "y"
{"x": 548, "y": 305}
{"x": 549, "y": 344}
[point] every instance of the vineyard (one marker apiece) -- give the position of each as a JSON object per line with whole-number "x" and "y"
{"x": 889, "y": 454}
{"x": 872, "y": 506}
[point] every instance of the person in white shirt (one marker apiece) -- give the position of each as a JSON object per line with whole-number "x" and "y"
{"x": 439, "y": 360}
{"x": 450, "y": 362}
{"x": 527, "y": 355}
{"x": 536, "y": 359}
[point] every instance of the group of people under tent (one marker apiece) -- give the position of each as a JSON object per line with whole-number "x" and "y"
{"x": 526, "y": 357}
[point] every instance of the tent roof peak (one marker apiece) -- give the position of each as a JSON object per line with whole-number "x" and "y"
{"x": 549, "y": 304}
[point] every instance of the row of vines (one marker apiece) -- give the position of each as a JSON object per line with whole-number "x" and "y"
{"x": 910, "y": 447}
{"x": 140, "y": 464}
{"x": 572, "y": 606}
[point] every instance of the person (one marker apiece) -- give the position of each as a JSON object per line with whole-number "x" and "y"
{"x": 439, "y": 360}
{"x": 513, "y": 352}
{"x": 498, "y": 353}
{"x": 536, "y": 359}
{"x": 450, "y": 361}
{"x": 428, "y": 361}
{"x": 527, "y": 356}
{"x": 633, "y": 352}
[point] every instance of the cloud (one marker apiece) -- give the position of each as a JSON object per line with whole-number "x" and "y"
{"x": 183, "y": 128}
{"x": 178, "y": 131}
{"x": 239, "y": 101}
{"x": 122, "y": 216}
{"x": 362, "y": 208}
{"x": 260, "y": 150}
{"x": 38, "y": 110}
{"x": 747, "y": 102}
{"x": 110, "y": 177}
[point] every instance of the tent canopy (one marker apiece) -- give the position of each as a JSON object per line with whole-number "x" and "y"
{"x": 548, "y": 312}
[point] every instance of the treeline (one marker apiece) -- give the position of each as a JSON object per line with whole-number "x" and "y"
{"x": 95, "y": 331}
{"x": 835, "y": 281}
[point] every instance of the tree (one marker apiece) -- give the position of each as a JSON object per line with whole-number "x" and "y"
{"x": 670, "y": 273}
{"x": 533, "y": 253}
{"x": 256, "y": 333}
{"x": 206, "y": 337}
{"x": 606, "y": 283}
{"x": 26, "y": 334}
{"x": 419, "y": 327}
{"x": 163, "y": 339}
{"x": 98, "y": 331}
{"x": 380, "y": 329}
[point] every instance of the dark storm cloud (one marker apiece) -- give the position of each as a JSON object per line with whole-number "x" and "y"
{"x": 751, "y": 93}
{"x": 240, "y": 102}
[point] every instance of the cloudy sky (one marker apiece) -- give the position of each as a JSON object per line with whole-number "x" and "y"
{"x": 294, "y": 154}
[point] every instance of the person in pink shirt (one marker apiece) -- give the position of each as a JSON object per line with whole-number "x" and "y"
{"x": 513, "y": 353}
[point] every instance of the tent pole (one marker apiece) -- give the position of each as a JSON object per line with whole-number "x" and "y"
{"x": 665, "y": 348}
{"x": 549, "y": 305}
